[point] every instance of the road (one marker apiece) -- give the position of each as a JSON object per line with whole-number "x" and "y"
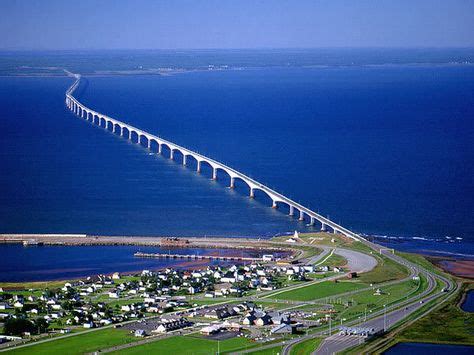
{"x": 384, "y": 319}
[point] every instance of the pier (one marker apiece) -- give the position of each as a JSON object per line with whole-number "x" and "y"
{"x": 197, "y": 257}
{"x": 142, "y": 137}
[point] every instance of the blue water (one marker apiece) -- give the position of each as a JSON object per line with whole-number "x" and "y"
{"x": 42, "y": 263}
{"x": 468, "y": 304}
{"x": 384, "y": 150}
{"x": 428, "y": 349}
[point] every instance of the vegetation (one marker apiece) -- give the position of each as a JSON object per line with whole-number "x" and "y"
{"x": 79, "y": 344}
{"x": 446, "y": 324}
{"x": 319, "y": 290}
{"x": 386, "y": 270}
{"x": 188, "y": 344}
{"x": 271, "y": 351}
{"x": 306, "y": 347}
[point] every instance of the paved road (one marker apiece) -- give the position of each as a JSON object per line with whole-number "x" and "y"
{"x": 384, "y": 319}
{"x": 357, "y": 261}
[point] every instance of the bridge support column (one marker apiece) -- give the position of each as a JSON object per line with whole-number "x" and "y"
{"x": 323, "y": 227}
{"x": 301, "y": 216}
{"x": 184, "y": 160}
{"x": 335, "y": 231}
{"x": 274, "y": 204}
{"x": 252, "y": 194}
{"x": 292, "y": 211}
{"x": 311, "y": 223}
{"x": 159, "y": 148}
{"x": 171, "y": 154}
{"x": 198, "y": 169}
{"x": 214, "y": 174}
{"x": 82, "y": 113}
{"x": 149, "y": 144}
{"x": 232, "y": 182}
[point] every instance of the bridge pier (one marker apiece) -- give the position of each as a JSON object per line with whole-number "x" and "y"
{"x": 232, "y": 182}
{"x": 292, "y": 211}
{"x": 323, "y": 227}
{"x": 160, "y": 148}
{"x": 274, "y": 204}
{"x": 311, "y": 223}
{"x": 301, "y": 216}
{"x": 184, "y": 160}
{"x": 171, "y": 154}
{"x": 214, "y": 173}
{"x": 252, "y": 194}
{"x": 198, "y": 169}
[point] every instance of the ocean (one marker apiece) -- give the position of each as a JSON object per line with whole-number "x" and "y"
{"x": 383, "y": 149}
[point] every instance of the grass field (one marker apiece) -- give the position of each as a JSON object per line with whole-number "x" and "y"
{"x": 446, "y": 324}
{"x": 386, "y": 270}
{"x": 31, "y": 285}
{"x": 319, "y": 290}
{"x": 189, "y": 345}
{"x": 79, "y": 344}
{"x": 306, "y": 347}
{"x": 272, "y": 351}
{"x": 366, "y": 300}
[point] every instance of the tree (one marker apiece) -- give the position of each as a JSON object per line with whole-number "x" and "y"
{"x": 41, "y": 325}
{"x": 17, "y": 326}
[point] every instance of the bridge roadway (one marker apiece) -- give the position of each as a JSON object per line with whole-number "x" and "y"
{"x": 130, "y": 132}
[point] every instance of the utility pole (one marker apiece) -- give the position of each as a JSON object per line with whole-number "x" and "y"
{"x": 384, "y": 318}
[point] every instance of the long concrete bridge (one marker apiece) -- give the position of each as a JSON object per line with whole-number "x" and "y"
{"x": 140, "y": 136}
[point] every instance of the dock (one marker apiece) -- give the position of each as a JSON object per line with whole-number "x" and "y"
{"x": 198, "y": 257}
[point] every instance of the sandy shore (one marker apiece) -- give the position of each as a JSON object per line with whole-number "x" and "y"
{"x": 460, "y": 268}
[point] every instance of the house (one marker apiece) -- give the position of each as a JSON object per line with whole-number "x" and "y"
{"x": 4, "y": 306}
{"x": 140, "y": 333}
{"x": 65, "y": 331}
{"x": 115, "y": 276}
{"x": 114, "y": 294}
{"x": 282, "y": 329}
{"x": 211, "y": 329}
{"x": 173, "y": 324}
{"x": 88, "y": 325}
{"x": 278, "y": 318}
{"x": 267, "y": 257}
{"x": 263, "y": 320}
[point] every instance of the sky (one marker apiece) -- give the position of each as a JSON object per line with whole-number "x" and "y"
{"x": 188, "y": 24}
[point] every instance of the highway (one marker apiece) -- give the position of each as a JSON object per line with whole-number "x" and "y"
{"x": 384, "y": 319}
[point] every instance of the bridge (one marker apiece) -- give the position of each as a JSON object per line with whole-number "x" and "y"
{"x": 196, "y": 257}
{"x": 142, "y": 137}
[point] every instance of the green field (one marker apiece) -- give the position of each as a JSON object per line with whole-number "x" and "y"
{"x": 366, "y": 301}
{"x": 80, "y": 344}
{"x": 447, "y": 324}
{"x": 189, "y": 345}
{"x": 271, "y": 351}
{"x": 386, "y": 270}
{"x": 319, "y": 290}
{"x": 306, "y": 347}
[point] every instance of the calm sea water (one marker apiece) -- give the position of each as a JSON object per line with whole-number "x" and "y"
{"x": 41, "y": 263}
{"x": 385, "y": 150}
{"x": 428, "y": 349}
{"x": 468, "y": 304}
